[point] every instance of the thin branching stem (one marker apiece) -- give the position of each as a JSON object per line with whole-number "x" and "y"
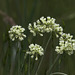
{"x": 19, "y": 48}
{"x": 29, "y": 66}
{"x": 24, "y": 61}
{"x": 43, "y": 56}
{"x": 49, "y": 71}
{"x": 13, "y": 60}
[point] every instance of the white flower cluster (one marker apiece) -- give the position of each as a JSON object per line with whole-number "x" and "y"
{"x": 16, "y": 32}
{"x": 45, "y": 25}
{"x": 35, "y": 50}
{"x": 66, "y": 43}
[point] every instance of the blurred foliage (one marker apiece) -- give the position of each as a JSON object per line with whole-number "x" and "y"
{"x": 22, "y": 12}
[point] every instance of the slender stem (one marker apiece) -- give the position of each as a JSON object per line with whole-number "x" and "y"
{"x": 51, "y": 51}
{"x": 49, "y": 71}
{"x": 24, "y": 61}
{"x": 48, "y": 41}
{"x": 19, "y": 48}
{"x": 59, "y": 63}
{"x": 19, "y": 63}
{"x": 13, "y": 61}
{"x": 43, "y": 56}
{"x": 29, "y": 66}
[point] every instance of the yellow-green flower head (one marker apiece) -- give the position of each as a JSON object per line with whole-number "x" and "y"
{"x": 45, "y": 25}
{"x": 66, "y": 44}
{"x": 35, "y": 50}
{"x": 16, "y": 33}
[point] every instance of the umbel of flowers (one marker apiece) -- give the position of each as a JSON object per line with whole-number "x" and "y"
{"x": 45, "y": 25}
{"x": 66, "y": 43}
{"x": 35, "y": 50}
{"x": 17, "y": 32}
{"x": 41, "y": 26}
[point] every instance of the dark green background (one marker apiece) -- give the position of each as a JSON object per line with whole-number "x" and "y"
{"x": 25, "y": 11}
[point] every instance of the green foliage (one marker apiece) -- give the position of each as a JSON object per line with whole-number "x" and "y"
{"x": 23, "y": 12}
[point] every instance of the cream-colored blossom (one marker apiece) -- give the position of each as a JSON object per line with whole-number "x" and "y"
{"x": 16, "y": 33}
{"x": 66, "y": 44}
{"x": 45, "y": 25}
{"x": 35, "y": 50}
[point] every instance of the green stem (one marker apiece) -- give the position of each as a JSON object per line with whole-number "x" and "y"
{"x": 18, "y": 63}
{"x": 23, "y": 62}
{"x": 43, "y": 56}
{"x": 13, "y": 60}
{"x": 59, "y": 63}
{"x": 19, "y": 48}
{"x": 49, "y": 71}
{"x": 29, "y": 66}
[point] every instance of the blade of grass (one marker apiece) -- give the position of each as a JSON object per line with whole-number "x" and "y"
{"x": 51, "y": 67}
{"x": 13, "y": 57}
{"x": 51, "y": 51}
{"x": 19, "y": 52}
{"x": 43, "y": 55}
{"x": 13, "y": 61}
{"x": 24, "y": 67}
{"x": 29, "y": 66}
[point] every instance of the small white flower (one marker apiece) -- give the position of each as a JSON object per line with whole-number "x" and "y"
{"x": 32, "y": 56}
{"x": 36, "y": 58}
{"x": 66, "y": 43}
{"x": 38, "y": 22}
{"x": 41, "y": 34}
{"x": 16, "y": 32}
{"x": 73, "y": 46}
{"x": 35, "y": 50}
{"x": 48, "y": 18}
{"x": 45, "y": 25}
